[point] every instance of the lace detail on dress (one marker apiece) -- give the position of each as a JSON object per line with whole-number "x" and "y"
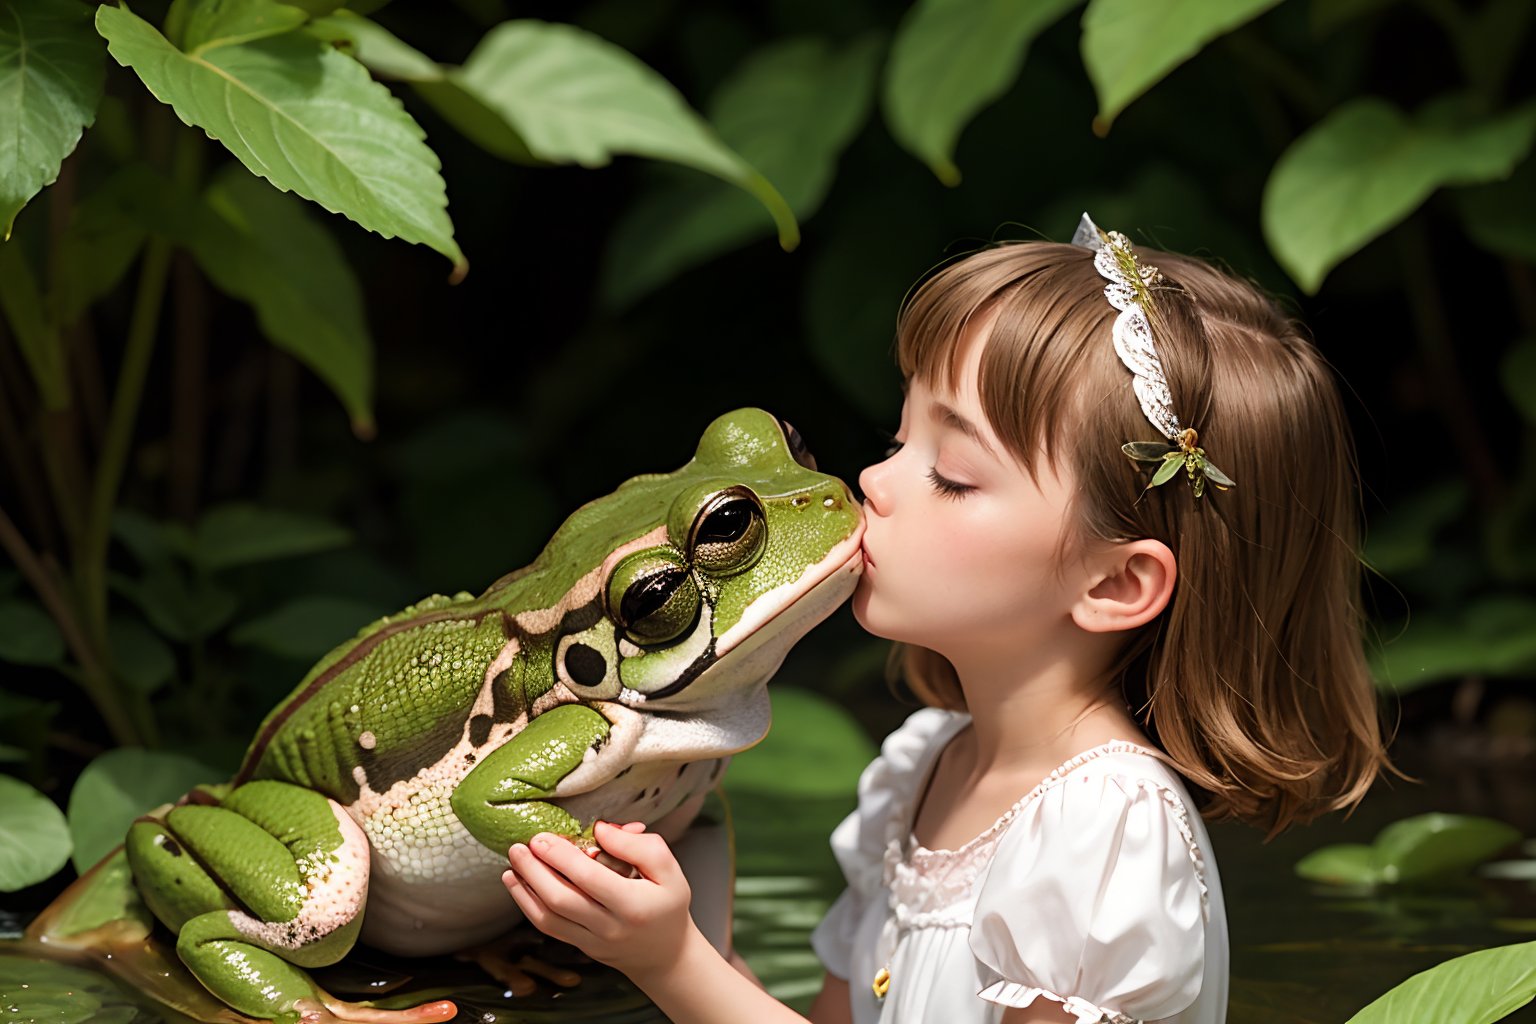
{"x": 1009, "y": 993}
{"x": 926, "y": 886}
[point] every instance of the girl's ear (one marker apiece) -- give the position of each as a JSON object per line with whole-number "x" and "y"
{"x": 1131, "y": 583}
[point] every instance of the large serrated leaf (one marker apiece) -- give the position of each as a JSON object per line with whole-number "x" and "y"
{"x": 1478, "y": 988}
{"x": 262, "y": 246}
{"x": 1129, "y": 45}
{"x": 791, "y": 110}
{"x": 1366, "y": 166}
{"x": 34, "y": 840}
{"x": 950, "y": 59}
{"x": 572, "y": 97}
{"x": 306, "y": 118}
{"x": 51, "y": 73}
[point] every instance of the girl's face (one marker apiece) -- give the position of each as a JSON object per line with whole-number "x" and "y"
{"x": 961, "y": 544}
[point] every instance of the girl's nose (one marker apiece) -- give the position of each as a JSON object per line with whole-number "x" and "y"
{"x": 872, "y": 483}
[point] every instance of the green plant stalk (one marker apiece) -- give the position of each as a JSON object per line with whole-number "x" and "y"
{"x": 92, "y": 560}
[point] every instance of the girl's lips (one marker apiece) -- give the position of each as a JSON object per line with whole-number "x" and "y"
{"x": 868, "y": 562}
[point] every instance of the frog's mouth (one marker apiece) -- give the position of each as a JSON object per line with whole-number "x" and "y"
{"x": 694, "y": 720}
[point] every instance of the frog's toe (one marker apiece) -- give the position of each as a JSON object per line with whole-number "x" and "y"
{"x": 503, "y": 960}
{"x": 336, "y": 1011}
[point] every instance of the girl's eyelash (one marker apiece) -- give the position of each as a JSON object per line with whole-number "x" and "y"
{"x": 948, "y": 487}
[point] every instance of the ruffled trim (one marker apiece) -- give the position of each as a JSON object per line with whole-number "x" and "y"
{"x": 1181, "y": 820}
{"x": 1008, "y": 993}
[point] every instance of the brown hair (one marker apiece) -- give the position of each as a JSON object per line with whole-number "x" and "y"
{"x": 1253, "y": 679}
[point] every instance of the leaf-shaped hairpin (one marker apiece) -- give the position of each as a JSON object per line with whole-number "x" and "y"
{"x": 1130, "y": 291}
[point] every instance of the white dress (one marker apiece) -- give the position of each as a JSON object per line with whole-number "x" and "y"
{"x": 1097, "y": 890}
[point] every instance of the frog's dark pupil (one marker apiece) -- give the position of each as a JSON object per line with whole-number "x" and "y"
{"x": 727, "y": 523}
{"x": 586, "y": 665}
{"x": 647, "y": 596}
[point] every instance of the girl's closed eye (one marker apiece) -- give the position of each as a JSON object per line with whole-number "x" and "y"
{"x": 947, "y": 487}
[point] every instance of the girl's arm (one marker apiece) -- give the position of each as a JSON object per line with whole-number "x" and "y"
{"x": 641, "y": 926}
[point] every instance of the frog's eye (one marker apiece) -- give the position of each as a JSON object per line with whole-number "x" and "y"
{"x": 729, "y": 532}
{"x": 652, "y": 597}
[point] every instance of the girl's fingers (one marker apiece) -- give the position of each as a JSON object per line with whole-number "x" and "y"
{"x": 595, "y": 881}
{"x": 645, "y": 850}
{"x": 538, "y": 913}
{"x": 553, "y": 890}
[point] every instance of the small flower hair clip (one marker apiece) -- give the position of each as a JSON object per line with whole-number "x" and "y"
{"x": 1130, "y": 291}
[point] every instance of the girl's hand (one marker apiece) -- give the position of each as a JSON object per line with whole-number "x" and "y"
{"x": 637, "y": 925}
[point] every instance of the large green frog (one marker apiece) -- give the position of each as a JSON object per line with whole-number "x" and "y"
{"x": 611, "y": 679}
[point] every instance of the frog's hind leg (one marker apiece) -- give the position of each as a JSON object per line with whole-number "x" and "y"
{"x": 272, "y": 880}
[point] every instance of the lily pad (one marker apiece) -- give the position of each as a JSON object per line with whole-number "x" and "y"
{"x": 119, "y": 786}
{"x": 34, "y": 839}
{"x": 1423, "y": 848}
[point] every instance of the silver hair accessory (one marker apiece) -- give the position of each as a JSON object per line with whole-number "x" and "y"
{"x": 1130, "y": 291}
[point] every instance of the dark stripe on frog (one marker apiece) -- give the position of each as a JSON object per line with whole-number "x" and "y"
{"x": 364, "y": 647}
{"x": 385, "y": 768}
{"x": 688, "y": 674}
{"x": 577, "y": 620}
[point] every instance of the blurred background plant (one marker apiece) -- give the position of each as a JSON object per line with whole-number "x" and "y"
{"x": 235, "y": 427}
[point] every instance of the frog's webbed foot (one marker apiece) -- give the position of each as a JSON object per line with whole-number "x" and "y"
{"x": 336, "y": 1011}
{"x": 508, "y": 961}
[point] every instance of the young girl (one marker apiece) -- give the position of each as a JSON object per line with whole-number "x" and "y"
{"x": 1106, "y": 612}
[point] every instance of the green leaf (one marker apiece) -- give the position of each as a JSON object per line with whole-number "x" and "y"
{"x": 28, "y": 636}
{"x": 574, "y": 98}
{"x": 1517, "y": 372}
{"x": 1341, "y": 864}
{"x": 1129, "y": 45}
{"x": 1434, "y": 845}
{"x": 378, "y": 49}
{"x": 790, "y": 109}
{"x": 119, "y": 786}
{"x": 262, "y": 246}
{"x": 182, "y": 608}
{"x": 1366, "y": 166}
{"x": 307, "y": 627}
{"x": 45, "y": 992}
{"x": 139, "y": 656}
{"x": 51, "y": 73}
{"x": 150, "y": 542}
{"x": 105, "y": 233}
{"x": 36, "y": 335}
{"x": 814, "y": 749}
{"x": 240, "y": 534}
{"x": 1478, "y": 988}
{"x": 198, "y": 26}
{"x": 1501, "y": 217}
{"x": 34, "y": 841}
{"x": 1403, "y": 537}
{"x": 1493, "y": 636}
{"x": 950, "y": 59}
{"x": 306, "y": 118}
{"x": 1167, "y": 470}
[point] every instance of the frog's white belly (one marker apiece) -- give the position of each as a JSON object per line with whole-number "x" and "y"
{"x": 433, "y": 888}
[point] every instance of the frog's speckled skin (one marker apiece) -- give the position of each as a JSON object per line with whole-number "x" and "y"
{"x": 611, "y": 678}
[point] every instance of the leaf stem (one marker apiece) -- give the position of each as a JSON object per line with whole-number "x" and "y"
{"x": 92, "y": 559}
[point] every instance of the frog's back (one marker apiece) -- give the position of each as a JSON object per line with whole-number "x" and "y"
{"x": 386, "y": 703}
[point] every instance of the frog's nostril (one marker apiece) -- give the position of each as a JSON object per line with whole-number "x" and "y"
{"x": 831, "y": 502}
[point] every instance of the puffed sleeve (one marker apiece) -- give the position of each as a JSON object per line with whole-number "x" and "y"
{"x": 1095, "y": 899}
{"x": 886, "y": 788}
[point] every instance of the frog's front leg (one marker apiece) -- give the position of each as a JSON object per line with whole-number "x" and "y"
{"x": 271, "y": 880}
{"x": 500, "y": 802}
